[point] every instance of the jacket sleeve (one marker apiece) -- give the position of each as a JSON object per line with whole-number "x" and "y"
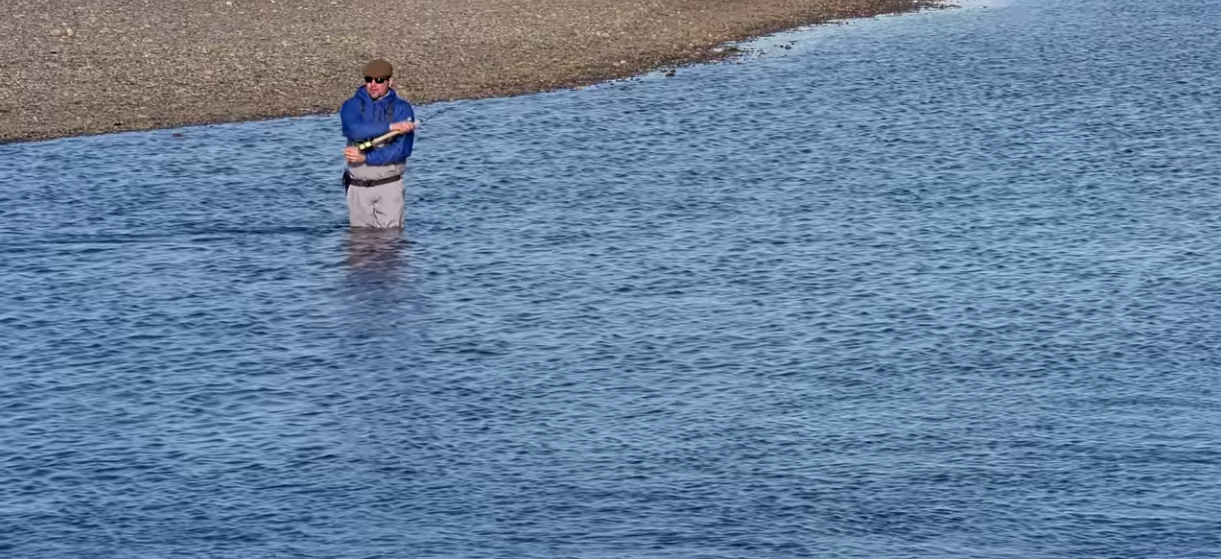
{"x": 355, "y": 128}
{"x": 399, "y": 148}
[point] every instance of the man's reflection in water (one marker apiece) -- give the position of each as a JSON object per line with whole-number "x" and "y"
{"x": 376, "y": 255}
{"x": 379, "y": 308}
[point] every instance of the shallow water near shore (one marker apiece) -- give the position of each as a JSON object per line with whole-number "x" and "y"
{"x": 934, "y": 285}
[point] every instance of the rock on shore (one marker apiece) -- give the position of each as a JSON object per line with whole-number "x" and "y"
{"x": 76, "y": 67}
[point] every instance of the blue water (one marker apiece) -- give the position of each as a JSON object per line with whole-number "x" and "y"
{"x": 942, "y": 285}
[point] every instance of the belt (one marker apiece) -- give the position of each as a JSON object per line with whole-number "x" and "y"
{"x": 349, "y": 181}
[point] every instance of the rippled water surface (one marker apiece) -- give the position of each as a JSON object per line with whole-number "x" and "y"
{"x": 937, "y": 285}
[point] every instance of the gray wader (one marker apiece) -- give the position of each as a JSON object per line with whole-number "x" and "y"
{"x": 375, "y": 195}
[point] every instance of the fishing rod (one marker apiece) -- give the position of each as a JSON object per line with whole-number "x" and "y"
{"x": 372, "y": 143}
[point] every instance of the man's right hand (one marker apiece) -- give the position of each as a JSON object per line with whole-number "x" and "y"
{"x": 403, "y": 127}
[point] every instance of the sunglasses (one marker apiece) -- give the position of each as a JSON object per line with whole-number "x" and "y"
{"x": 378, "y": 80}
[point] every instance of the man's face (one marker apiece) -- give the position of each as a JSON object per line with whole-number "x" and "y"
{"x": 378, "y": 86}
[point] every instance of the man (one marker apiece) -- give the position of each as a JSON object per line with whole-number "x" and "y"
{"x": 374, "y": 177}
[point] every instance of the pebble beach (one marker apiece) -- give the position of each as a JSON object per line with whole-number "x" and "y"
{"x": 78, "y": 67}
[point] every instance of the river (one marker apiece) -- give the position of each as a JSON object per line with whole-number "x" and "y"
{"x": 938, "y": 285}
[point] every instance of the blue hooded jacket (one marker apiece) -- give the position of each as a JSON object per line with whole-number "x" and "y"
{"x": 364, "y": 119}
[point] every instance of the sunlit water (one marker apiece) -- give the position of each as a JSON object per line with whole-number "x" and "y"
{"x": 937, "y": 285}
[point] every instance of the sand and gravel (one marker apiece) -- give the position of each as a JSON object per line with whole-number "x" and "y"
{"x": 73, "y": 67}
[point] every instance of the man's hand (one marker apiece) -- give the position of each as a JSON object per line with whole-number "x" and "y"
{"x": 403, "y": 127}
{"x": 353, "y": 155}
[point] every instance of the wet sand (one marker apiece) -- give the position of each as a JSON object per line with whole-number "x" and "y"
{"x": 95, "y": 66}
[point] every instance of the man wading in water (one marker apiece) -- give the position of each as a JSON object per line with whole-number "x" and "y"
{"x": 374, "y": 178}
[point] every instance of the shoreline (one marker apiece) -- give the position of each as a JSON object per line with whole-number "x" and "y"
{"x": 99, "y": 69}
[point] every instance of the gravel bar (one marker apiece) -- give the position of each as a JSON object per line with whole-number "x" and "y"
{"x": 76, "y": 67}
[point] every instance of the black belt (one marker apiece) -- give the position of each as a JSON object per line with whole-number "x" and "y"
{"x": 349, "y": 181}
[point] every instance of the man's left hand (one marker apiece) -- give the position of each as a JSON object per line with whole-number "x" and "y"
{"x": 353, "y": 155}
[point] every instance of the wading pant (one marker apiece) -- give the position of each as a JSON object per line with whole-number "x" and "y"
{"x": 376, "y": 206}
